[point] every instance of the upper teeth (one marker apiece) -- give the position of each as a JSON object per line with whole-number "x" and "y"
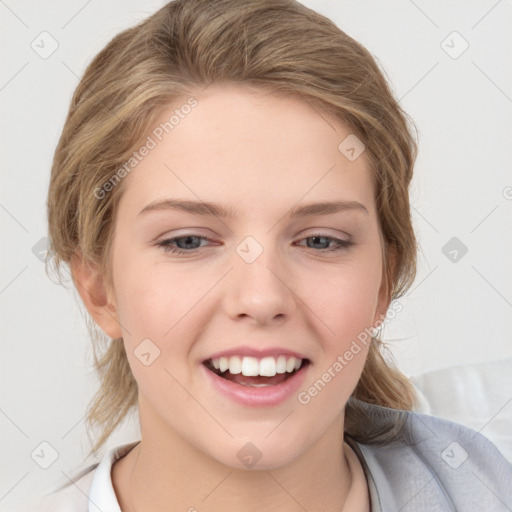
{"x": 252, "y": 367}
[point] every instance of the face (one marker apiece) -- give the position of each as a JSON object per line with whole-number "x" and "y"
{"x": 260, "y": 286}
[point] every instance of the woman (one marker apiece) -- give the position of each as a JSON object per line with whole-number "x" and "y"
{"x": 230, "y": 191}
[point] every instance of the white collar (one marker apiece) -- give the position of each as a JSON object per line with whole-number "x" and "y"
{"x": 102, "y": 497}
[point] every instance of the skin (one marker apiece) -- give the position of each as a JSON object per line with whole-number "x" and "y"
{"x": 261, "y": 155}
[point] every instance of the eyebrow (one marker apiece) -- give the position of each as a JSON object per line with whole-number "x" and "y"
{"x": 217, "y": 210}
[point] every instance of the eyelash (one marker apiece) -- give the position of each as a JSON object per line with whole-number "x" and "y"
{"x": 166, "y": 244}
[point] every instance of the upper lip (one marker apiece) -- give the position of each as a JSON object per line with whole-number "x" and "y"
{"x": 259, "y": 353}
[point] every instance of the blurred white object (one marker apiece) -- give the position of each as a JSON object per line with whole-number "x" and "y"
{"x": 478, "y": 396}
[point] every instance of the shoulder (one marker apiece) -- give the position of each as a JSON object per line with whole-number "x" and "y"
{"x": 92, "y": 485}
{"x": 73, "y": 496}
{"x": 429, "y": 460}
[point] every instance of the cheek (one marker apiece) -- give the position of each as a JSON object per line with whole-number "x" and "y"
{"x": 347, "y": 302}
{"x": 158, "y": 307}
{"x": 152, "y": 307}
{"x": 150, "y": 298}
{"x": 346, "y": 309}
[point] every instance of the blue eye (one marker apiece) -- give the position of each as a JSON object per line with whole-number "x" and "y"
{"x": 181, "y": 240}
{"x": 184, "y": 244}
{"x": 338, "y": 243}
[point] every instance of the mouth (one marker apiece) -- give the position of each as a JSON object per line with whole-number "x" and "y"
{"x": 257, "y": 381}
{"x": 254, "y": 372}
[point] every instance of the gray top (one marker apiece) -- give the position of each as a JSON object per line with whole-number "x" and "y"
{"x": 431, "y": 464}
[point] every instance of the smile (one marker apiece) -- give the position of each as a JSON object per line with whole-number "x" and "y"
{"x": 253, "y": 367}
{"x": 257, "y": 381}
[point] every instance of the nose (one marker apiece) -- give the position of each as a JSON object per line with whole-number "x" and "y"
{"x": 260, "y": 289}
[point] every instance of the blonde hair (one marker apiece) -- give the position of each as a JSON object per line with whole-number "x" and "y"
{"x": 279, "y": 45}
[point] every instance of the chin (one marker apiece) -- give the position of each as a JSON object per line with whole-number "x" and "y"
{"x": 257, "y": 456}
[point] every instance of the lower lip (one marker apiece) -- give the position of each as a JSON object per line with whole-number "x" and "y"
{"x": 257, "y": 396}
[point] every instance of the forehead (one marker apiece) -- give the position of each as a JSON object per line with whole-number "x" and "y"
{"x": 239, "y": 144}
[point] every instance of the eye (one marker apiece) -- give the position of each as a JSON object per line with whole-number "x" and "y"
{"x": 190, "y": 244}
{"x": 184, "y": 241}
{"x": 319, "y": 239}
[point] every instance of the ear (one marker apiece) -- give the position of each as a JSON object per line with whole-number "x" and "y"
{"x": 384, "y": 299}
{"x": 96, "y": 295}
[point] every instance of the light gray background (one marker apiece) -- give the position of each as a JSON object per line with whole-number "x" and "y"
{"x": 456, "y": 312}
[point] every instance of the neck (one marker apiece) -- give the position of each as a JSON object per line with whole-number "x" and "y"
{"x": 165, "y": 471}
